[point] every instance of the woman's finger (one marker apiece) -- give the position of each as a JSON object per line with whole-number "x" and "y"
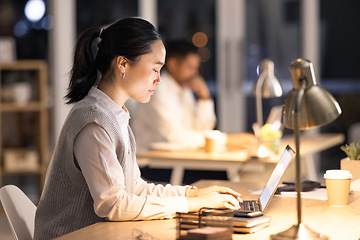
{"x": 225, "y": 190}
{"x": 229, "y": 199}
{"x": 229, "y": 206}
{"x": 234, "y": 202}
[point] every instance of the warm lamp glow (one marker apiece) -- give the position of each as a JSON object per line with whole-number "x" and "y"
{"x": 262, "y": 152}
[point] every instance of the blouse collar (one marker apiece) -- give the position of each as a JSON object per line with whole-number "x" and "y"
{"x": 121, "y": 113}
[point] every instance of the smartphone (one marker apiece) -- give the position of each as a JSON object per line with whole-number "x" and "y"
{"x": 247, "y": 213}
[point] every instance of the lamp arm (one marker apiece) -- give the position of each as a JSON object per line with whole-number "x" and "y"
{"x": 259, "y": 113}
{"x": 299, "y": 99}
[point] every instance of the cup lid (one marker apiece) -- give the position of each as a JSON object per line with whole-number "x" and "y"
{"x": 215, "y": 134}
{"x": 337, "y": 174}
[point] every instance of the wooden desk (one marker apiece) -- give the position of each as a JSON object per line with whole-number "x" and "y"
{"x": 336, "y": 222}
{"x": 232, "y": 161}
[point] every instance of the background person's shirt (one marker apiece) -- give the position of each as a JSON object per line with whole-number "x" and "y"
{"x": 172, "y": 115}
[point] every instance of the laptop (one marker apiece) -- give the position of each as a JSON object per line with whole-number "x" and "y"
{"x": 253, "y": 208}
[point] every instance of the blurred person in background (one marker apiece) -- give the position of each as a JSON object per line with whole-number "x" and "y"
{"x": 182, "y": 108}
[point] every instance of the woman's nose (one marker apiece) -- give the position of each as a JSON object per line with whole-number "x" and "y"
{"x": 157, "y": 80}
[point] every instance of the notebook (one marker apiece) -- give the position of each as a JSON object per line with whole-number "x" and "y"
{"x": 253, "y": 208}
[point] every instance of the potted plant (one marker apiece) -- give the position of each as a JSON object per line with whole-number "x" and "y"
{"x": 352, "y": 161}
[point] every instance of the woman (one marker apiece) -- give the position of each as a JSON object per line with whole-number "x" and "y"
{"x": 93, "y": 175}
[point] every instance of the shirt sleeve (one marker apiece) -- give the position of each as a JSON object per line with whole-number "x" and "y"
{"x": 96, "y": 156}
{"x": 205, "y": 118}
{"x": 181, "y": 120}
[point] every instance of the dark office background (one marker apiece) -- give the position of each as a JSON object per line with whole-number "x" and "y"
{"x": 271, "y": 32}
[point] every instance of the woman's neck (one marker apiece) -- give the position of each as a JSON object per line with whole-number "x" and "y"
{"x": 115, "y": 93}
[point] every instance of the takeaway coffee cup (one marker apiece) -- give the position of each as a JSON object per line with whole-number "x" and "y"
{"x": 337, "y": 187}
{"x": 215, "y": 141}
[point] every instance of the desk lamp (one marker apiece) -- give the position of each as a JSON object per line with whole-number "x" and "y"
{"x": 306, "y": 106}
{"x": 266, "y": 86}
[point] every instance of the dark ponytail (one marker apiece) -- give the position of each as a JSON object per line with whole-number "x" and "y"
{"x": 129, "y": 37}
{"x": 83, "y": 72}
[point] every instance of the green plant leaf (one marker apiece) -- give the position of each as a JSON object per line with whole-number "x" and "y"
{"x": 352, "y": 150}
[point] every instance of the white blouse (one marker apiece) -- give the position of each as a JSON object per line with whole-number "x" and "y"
{"x": 96, "y": 156}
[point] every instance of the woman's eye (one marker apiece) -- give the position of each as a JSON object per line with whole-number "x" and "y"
{"x": 156, "y": 71}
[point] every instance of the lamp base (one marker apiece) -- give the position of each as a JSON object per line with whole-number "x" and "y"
{"x": 300, "y": 231}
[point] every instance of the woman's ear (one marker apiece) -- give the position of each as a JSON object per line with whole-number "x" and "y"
{"x": 121, "y": 63}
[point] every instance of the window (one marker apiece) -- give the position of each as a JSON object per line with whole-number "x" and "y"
{"x": 96, "y": 13}
{"x": 183, "y": 19}
{"x": 272, "y": 31}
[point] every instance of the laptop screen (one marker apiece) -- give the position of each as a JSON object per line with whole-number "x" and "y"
{"x": 275, "y": 177}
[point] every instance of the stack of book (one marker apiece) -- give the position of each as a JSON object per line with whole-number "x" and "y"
{"x": 250, "y": 224}
{"x": 209, "y": 233}
{"x": 217, "y": 224}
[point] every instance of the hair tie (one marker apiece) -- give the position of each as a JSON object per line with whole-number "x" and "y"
{"x": 101, "y": 32}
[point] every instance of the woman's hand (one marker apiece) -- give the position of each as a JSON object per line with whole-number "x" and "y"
{"x": 194, "y": 192}
{"x": 213, "y": 197}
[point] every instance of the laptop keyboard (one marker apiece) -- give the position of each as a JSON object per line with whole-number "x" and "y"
{"x": 249, "y": 205}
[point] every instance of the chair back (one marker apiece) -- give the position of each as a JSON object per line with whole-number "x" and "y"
{"x": 19, "y": 210}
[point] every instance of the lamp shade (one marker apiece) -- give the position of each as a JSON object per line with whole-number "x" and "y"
{"x": 318, "y": 106}
{"x": 270, "y": 86}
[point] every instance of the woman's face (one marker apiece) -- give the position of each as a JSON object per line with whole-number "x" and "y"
{"x": 142, "y": 78}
